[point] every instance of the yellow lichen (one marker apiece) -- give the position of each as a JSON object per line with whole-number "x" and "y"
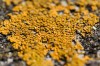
{"x": 38, "y": 25}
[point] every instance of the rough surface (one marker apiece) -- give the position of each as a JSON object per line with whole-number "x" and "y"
{"x": 8, "y": 55}
{"x": 51, "y": 32}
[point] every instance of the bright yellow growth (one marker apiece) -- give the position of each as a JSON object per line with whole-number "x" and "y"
{"x": 35, "y": 28}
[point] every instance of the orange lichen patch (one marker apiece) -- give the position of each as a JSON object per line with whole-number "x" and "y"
{"x": 36, "y": 28}
{"x": 55, "y": 10}
{"x": 8, "y": 2}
